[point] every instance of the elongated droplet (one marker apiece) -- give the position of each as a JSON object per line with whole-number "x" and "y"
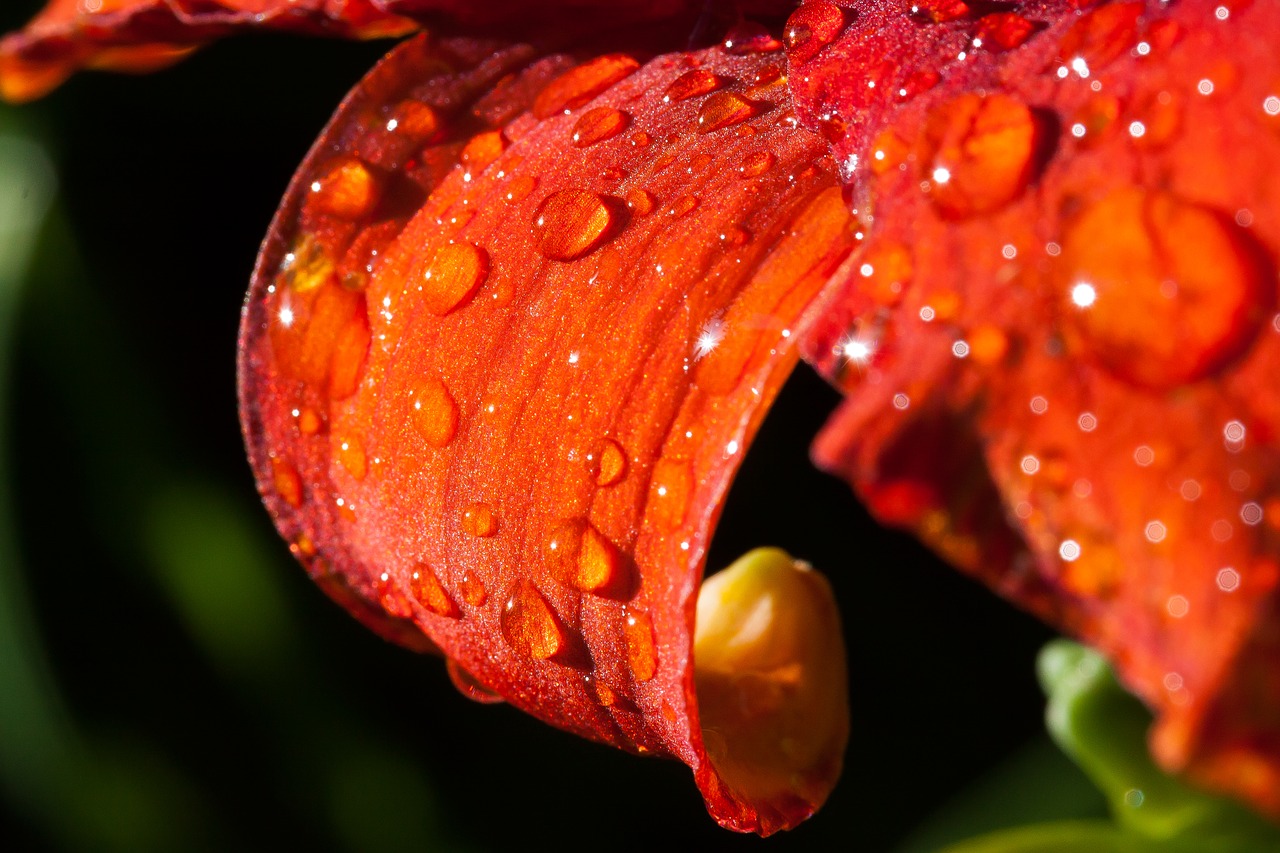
{"x": 640, "y": 202}
{"x": 351, "y": 456}
{"x": 642, "y": 653}
{"x": 453, "y": 276}
{"x": 599, "y": 124}
{"x": 473, "y": 589}
{"x": 610, "y": 464}
{"x": 478, "y": 519}
{"x": 349, "y": 190}
{"x": 682, "y": 205}
{"x": 691, "y": 84}
{"x": 430, "y": 593}
{"x": 529, "y": 625}
{"x": 580, "y": 556}
{"x": 1004, "y": 31}
{"x": 434, "y": 413}
{"x": 570, "y": 223}
{"x": 519, "y": 188}
{"x": 392, "y": 599}
{"x": 981, "y": 153}
{"x": 350, "y": 351}
{"x": 724, "y": 109}
{"x": 418, "y": 121}
{"x": 1162, "y": 291}
{"x": 750, "y": 37}
{"x": 287, "y": 482}
{"x": 579, "y": 85}
{"x": 756, "y": 164}
{"x": 600, "y": 692}
{"x": 470, "y": 686}
{"x": 482, "y": 149}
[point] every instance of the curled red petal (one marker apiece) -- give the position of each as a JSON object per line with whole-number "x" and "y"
{"x": 495, "y": 381}
{"x": 1059, "y": 339}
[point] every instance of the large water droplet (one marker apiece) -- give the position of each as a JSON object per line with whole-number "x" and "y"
{"x": 470, "y": 686}
{"x": 453, "y": 276}
{"x": 434, "y": 413}
{"x": 570, "y": 223}
{"x": 579, "y": 85}
{"x": 981, "y": 152}
{"x": 642, "y": 651}
{"x": 1160, "y": 290}
{"x": 350, "y": 351}
{"x": 349, "y": 190}
{"x": 418, "y": 121}
{"x": 599, "y": 124}
{"x": 811, "y": 28}
{"x": 580, "y": 556}
{"x": 478, "y": 519}
{"x": 724, "y": 109}
{"x": 430, "y": 593}
{"x": 530, "y": 626}
{"x": 641, "y": 202}
{"x": 691, "y": 84}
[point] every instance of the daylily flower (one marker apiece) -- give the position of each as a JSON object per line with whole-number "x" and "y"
{"x": 531, "y": 293}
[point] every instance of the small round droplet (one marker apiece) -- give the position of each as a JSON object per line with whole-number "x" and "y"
{"x": 470, "y": 686}
{"x": 473, "y": 589}
{"x": 430, "y": 593}
{"x": 691, "y": 84}
{"x": 583, "y": 83}
{"x": 351, "y": 456}
{"x": 349, "y": 190}
{"x": 434, "y": 413}
{"x": 641, "y": 202}
{"x": 1129, "y": 247}
{"x": 642, "y": 652}
{"x": 610, "y": 464}
{"x": 530, "y": 626}
{"x": 981, "y": 152}
{"x": 479, "y": 520}
{"x": 724, "y": 109}
{"x": 811, "y": 28}
{"x": 418, "y": 121}
{"x": 453, "y": 276}
{"x": 756, "y": 164}
{"x": 571, "y": 223}
{"x": 682, "y": 205}
{"x": 287, "y": 482}
{"x": 599, "y": 124}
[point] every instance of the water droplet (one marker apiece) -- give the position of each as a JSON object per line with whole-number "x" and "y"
{"x": 473, "y": 589}
{"x": 811, "y": 28}
{"x": 691, "y": 84}
{"x": 980, "y": 153}
{"x": 1003, "y": 31}
{"x": 940, "y": 11}
{"x": 613, "y": 175}
{"x": 418, "y": 121}
{"x": 519, "y": 188}
{"x": 308, "y": 266}
{"x": 641, "y": 202}
{"x": 349, "y": 190}
{"x": 434, "y": 413}
{"x": 609, "y": 466}
{"x": 682, "y": 205}
{"x": 391, "y": 598}
{"x": 530, "y": 626}
{"x": 750, "y": 37}
{"x": 430, "y": 593}
{"x": 352, "y": 457}
{"x": 724, "y": 109}
{"x": 479, "y": 520}
{"x": 599, "y": 124}
{"x": 640, "y": 139}
{"x": 572, "y": 223}
{"x": 482, "y": 149}
{"x": 1130, "y": 246}
{"x": 601, "y": 692}
{"x": 287, "y": 482}
{"x": 470, "y": 686}
{"x": 672, "y": 486}
{"x": 579, "y": 85}
{"x": 350, "y": 350}
{"x": 454, "y": 274}
{"x": 642, "y": 652}
{"x": 756, "y": 164}
{"x": 581, "y": 556}
{"x": 309, "y": 422}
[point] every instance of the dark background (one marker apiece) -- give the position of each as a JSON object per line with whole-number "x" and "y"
{"x": 177, "y": 683}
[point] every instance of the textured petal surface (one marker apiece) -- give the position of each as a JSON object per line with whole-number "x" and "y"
{"x": 1059, "y": 340}
{"x": 517, "y": 321}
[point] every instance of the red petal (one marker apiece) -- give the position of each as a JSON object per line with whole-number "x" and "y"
{"x": 1065, "y": 308}
{"x": 498, "y": 369}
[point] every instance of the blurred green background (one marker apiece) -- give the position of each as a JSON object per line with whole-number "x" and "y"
{"x": 170, "y": 680}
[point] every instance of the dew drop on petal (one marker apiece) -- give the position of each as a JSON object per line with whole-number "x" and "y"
{"x": 519, "y": 188}
{"x": 756, "y": 164}
{"x": 642, "y": 652}
{"x": 349, "y": 190}
{"x": 473, "y": 590}
{"x": 641, "y": 202}
{"x": 435, "y": 414}
{"x": 1003, "y": 31}
{"x": 811, "y": 28}
{"x": 691, "y": 84}
{"x": 682, "y": 205}
{"x": 482, "y": 149}
{"x": 724, "y": 109}
{"x": 579, "y": 85}
{"x": 287, "y": 483}
{"x": 749, "y": 37}
{"x": 352, "y": 457}
{"x": 571, "y": 223}
{"x": 469, "y": 686}
{"x": 597, "y": 125}
{"x": 529, "y": 625}
{"x": 610, "y": 464}
{"x": 453, "y": 276}
{"x": 478, "y": 519}
{"x": 430, "y": 593}
{"x": 581, "y": 556}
